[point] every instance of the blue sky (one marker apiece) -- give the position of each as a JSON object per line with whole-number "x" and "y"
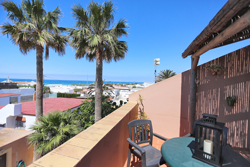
{"x": 159, "y": 29}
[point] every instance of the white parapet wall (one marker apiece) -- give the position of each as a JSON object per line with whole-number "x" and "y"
{"x": 8, "y": 111}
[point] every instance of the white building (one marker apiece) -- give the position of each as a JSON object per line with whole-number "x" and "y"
{"x": 23, "y": 115}
{"x": 21, "y": 91}
{"x": 5, "y": 98}
{"x": 61, "y": 88}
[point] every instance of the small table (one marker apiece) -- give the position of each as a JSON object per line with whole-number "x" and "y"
{"x": 177, "y": 152}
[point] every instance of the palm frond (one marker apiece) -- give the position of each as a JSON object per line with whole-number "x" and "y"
{"x": 15, "y": 13}
{"x": 52, "y": 130}
{"x": 107, "y": 15}
{"x": 33, "y": 26}
{"x": 165, "y": 74}
{"x": 94, "y": 40}
{"x": 80, "y": 15}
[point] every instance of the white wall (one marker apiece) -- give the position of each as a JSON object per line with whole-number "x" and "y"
{"x": 22, "y": 91}
{"x": 10, "y": 122}
{"x": 10, "y": 110}
{"x": 30, "y": 120}
{"x": 4, "y": 100}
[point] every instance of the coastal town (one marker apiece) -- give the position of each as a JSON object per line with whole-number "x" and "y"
{"x": 167, "y": 83}
{"x": 17, "y": 99}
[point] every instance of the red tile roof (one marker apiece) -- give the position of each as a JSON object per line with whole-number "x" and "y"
{"x": 8, "y": 94}
{"x": 52, "y": 104}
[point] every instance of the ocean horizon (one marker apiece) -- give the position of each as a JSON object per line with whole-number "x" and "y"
{"x": 67, "y": 82}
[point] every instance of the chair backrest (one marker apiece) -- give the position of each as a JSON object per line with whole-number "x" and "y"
{"x": 139, "y": 130}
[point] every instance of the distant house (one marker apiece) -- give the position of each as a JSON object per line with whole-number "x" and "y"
{"x": 7, "y": 98}
{"x": 121, "y": 87}
{"x": 25, "y": 93}
{"x": 61, "y": 89}
{"x": 23, "y": 115}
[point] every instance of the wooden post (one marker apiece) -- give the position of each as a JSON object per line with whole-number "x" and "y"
{"x": 192, "y": 97}
{"x": 195, "y": 63}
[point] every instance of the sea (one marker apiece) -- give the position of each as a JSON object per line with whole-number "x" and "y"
{"x": 67, "y": 82}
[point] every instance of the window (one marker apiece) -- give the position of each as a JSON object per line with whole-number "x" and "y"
{"x": 3, "y": 160}
{"x": 20, "y": 122}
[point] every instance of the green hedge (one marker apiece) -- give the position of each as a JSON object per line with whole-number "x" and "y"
{"x": 68, "y": 95}
{"x": 77, "y": 90}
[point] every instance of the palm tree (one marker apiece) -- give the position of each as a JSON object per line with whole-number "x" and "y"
{"x": 96, "y": 38}
{"x": 34, "y": 28}
{"x": 52, "y": 130}
{"x": 108, "y": 87}
{"x": 165, "y": 74}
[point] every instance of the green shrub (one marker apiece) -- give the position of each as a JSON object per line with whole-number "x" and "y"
{"x": 46, "y": 88}
{"x": 24, "y": 86}
{"x": 68, "y": 95}
{"x": 77, "y": 90}
{"x": 52, "y": 130}
{"x": 86, "y": 112}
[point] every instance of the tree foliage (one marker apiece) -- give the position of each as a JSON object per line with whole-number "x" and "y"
{"x": 31, "y": 28}
{"x": 46, "y": 89}
{"x": 56, "y": 128}
{"x": 86, "y": 113}
{"x": 96, "y": 37}
{"x": 164, "y": 74}
{"x": 107, "y": 87}
{"x": 68, "y": 95}
{"x": 52, "y": 130}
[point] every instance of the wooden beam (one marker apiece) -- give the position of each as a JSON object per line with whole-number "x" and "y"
{"x": 195, "y": 63}
{"x": 229, "y": 10}
{"x": 239, "y": 25}
{"x": 236, "y": 38}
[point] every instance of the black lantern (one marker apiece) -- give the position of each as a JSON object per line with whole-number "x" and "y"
{"x": 208, "y": 140}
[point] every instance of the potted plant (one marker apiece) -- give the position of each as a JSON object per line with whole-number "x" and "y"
{"x": 231, "y": 100}
{"x": 215, "y": 69}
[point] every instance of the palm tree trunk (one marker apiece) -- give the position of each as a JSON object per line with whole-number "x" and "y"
{"x": 98, "y": 87}
{"x": 39, "y": 81}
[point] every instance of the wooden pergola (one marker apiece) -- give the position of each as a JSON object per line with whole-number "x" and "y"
{"x": 231, "y": 24}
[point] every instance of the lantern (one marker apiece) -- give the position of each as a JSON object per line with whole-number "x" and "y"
{"x": 209, "y": 140}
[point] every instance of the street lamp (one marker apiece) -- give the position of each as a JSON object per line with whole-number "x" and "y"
{"x": 157, "y": 62}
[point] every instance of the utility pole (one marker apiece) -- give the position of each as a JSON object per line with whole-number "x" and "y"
{"x": 156, "y": 62}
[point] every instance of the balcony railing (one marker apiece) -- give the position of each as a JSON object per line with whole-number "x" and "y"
{"x": 102, "y": 144}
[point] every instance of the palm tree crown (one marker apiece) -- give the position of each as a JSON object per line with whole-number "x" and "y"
{"x": 164, "y": 74}
{"x": 34, "y": 28}
{"x": 52, "y": 130}
{"x": 95, "y": 37}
